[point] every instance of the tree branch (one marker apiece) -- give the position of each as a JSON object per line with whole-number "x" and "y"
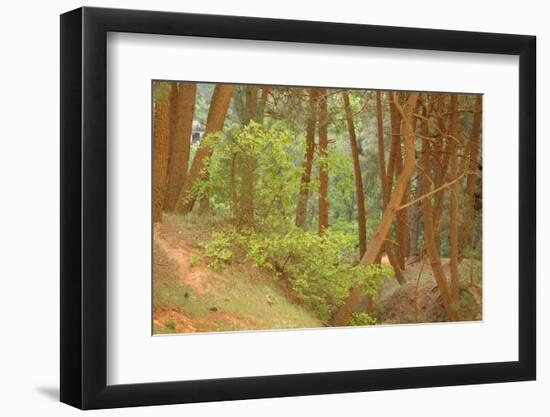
{"x": 438, "y": 189}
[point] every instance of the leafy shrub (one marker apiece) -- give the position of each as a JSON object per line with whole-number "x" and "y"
{"x": 170, "y": 324}
{"x": 194, "y": 259}
{"x": 362, "y": 319}
{"x": 219, "y": 250}
{"x": 320, "y": 269}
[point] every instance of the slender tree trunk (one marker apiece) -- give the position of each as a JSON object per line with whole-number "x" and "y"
{"x": 234, "y": 194}
{"x": 344, "y": 313}
{"x": 199, "y": 169}
{"x": 453, "y": 233}
{"x": 323, "y": 163}
{"x": 303, "y": 196}
{"x": 161, "y": 145}
{"x": 361, "y": 214}
{"x": 386, "y": 190}
{"x": 261, "y": 105}
{"x": 466, "y": 229}
{"x": 441, "y": 164}
{"x": 248, "y": 165}
{"x": 381, "y": 150}
{"x": 397, "y": 166}
{"x": 183, "y": 107}
{"x": 429, "y": 232}
{"x": 415, "y": 211}
{"x": 414, "y": 217}
{"x": 381, "y": 159}
{"x": 204, "y": 204}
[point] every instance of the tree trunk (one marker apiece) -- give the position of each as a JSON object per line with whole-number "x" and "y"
{"x": 453, "y": 233}
{"x": 466, "y": 230}
{"x": 396, "y": 164}
{"x": 204, "y": 205}
{"x": 234, "y": 194}
{"x": 381, "y": 150}
{"x": 323, "y": 163}
{"x": 429, "y": 232}
{"x": 415, "y": 212}
{"x": 386, "y": 190}
{"x": 361, "y": 214}
{"x": 181, "y": 123}
{"x": 414, "y": 218}
{"x": 441, "y": 165}
{"x": 199, "y": 170}
{"x": 248, "y": 165}
{"x": 303, "y": 196}
{"x": 261, "y": 105}
{"x": 161, "y": 144}
{"x": 381, "y": 159}
{"x": 344, "y": 313}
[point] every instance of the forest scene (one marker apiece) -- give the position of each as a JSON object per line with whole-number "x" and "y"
{"x": 280, "y": 207}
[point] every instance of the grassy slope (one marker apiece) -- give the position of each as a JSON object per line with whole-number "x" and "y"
{"x": 188, "y": 296}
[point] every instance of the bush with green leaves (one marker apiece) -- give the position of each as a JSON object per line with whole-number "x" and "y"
{"x": 320, "y": 269}
{"x": 362, "y": 319}
{"x": 273, "y": 150}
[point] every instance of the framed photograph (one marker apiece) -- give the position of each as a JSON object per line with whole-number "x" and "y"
{"x": 258, "y": 208}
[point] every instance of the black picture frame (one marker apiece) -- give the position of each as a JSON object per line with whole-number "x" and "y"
{"x": 84, "y": 207}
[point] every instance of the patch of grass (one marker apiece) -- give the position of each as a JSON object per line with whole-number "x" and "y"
{"x": 251, "y": 292}
{"x": 194, "y": 259}
{"x": 175, "y": 294}
{"x": 171, "y": 325}
{"x": 193, "y": 228}
{"x": 239, "y": 296}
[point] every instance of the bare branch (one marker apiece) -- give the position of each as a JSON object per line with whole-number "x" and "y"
{"x": 438, "y": 189}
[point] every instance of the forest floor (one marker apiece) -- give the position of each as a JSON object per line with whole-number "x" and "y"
{"x": 418, "y": 299}
{"x": 189, "y": 296}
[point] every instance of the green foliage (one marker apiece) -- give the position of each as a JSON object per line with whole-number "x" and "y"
{"x": 362, "y": 319}
{"x": 194, "y": 259}
{"x": 170, "y": 324}
{"x": 320, "y": 269}
{"x": 219, "y": 250}
{"x": 161, "y": 90}
{"x": 273, "y": 151}
{"x": 374, "y": 274}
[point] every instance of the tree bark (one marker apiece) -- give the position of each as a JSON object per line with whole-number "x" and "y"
{"x": 323, "y": 163}
{"x": 414, "y": 217}
{"x": 361, "y": 214}
{"x": 429, "y": 232}
{"x": 234, "y": 194}
{"x": 199, "y": 170}
{"x": 386, "y": 190}
{"x": 161, "y": 143}
{"x": 466, "y": 229}
{"x": 440, "y": 159}
{"x": 344, "y": 313}
{"x": 381, "y": 159}
{"x": 183, "y": 107}
{"x": 381, "y": 150}
{"x": 415, "y": 212}
{"x": 303, "y": 196}
{"x": 396, "y": 166}
{"x": 453, "y": 233}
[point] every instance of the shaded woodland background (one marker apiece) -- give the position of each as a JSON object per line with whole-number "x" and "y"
{"x": 285, "y": 207}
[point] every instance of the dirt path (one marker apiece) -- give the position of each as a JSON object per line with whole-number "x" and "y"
{"x": 180, "y": 253}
